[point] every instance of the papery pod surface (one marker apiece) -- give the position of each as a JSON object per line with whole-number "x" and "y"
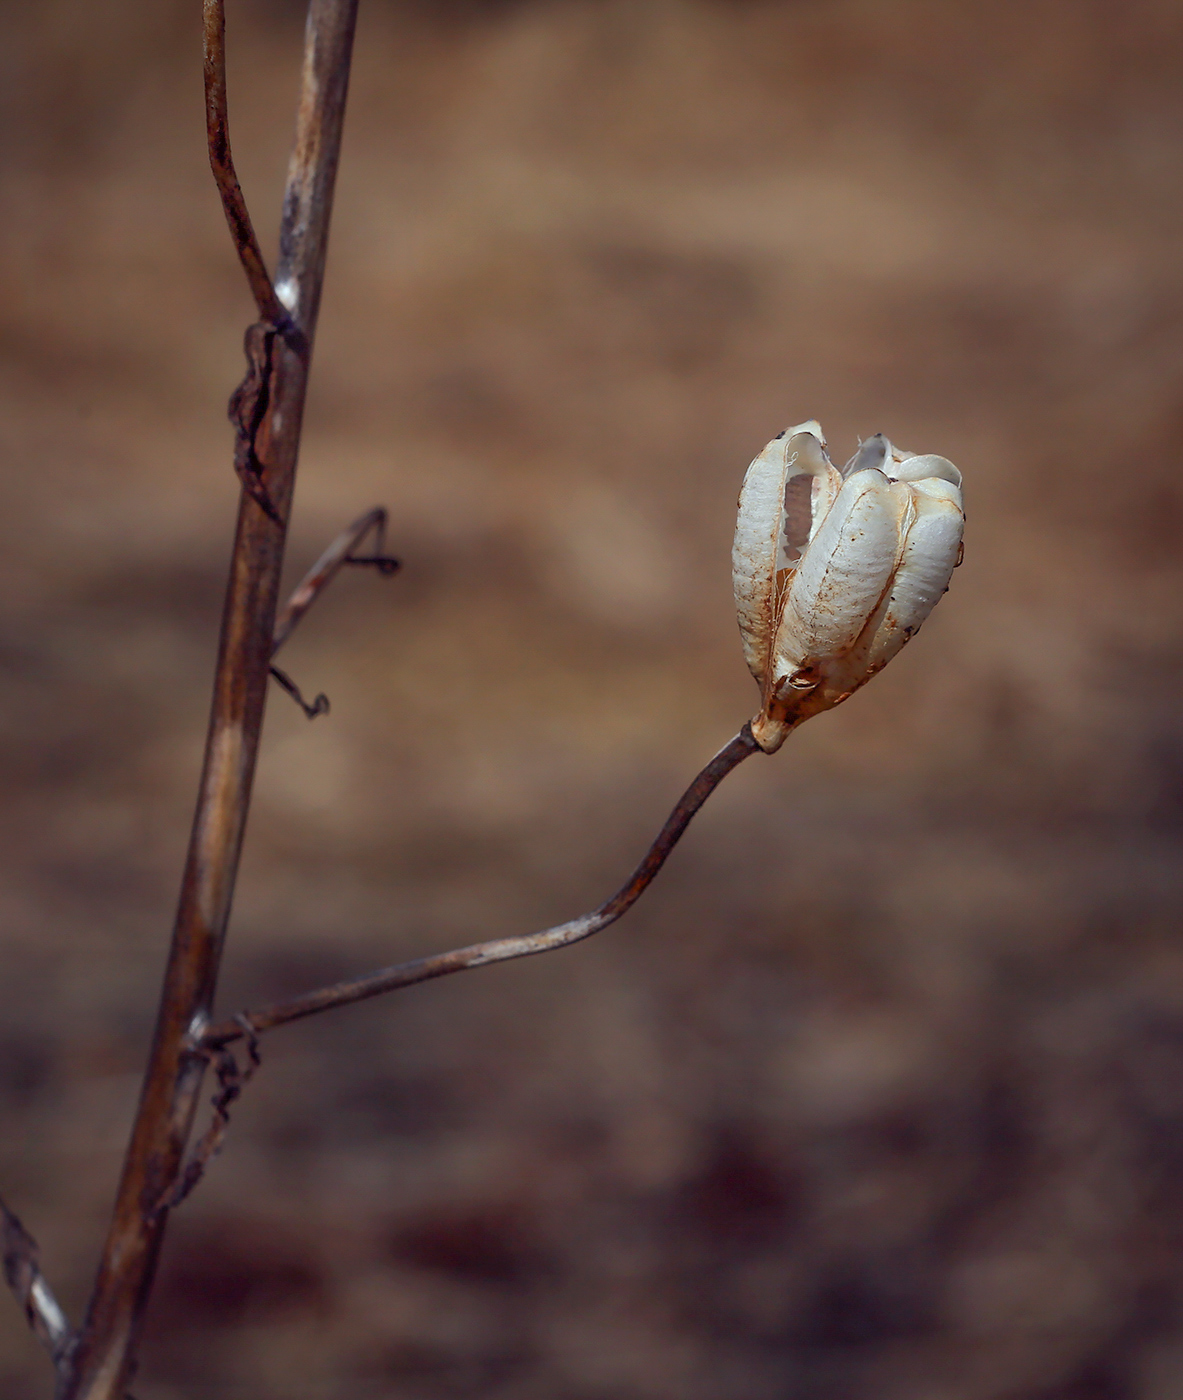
{"x": 835, "y": 571}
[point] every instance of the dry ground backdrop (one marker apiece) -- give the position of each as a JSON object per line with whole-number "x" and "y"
{"x": 880, "y": 1092}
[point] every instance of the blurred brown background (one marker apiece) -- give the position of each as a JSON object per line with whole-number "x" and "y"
{"x": 880, "y": 1091}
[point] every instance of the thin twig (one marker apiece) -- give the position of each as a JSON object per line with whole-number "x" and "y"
{"x": 222, "y": 163}
{"x": 326, "y": 568}
{"x": 312, "y": 710}
{"x": 314, "y": 583}
{"x": 22, "y": 1272}
{"x": 388, "y": 979}
{"x": 104, "y": 1357}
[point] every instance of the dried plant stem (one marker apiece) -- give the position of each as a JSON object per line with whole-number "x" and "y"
{"x": 104, "y": 1356}
{"x": 22, "y": 1272}
{"x": 388, "y": 979}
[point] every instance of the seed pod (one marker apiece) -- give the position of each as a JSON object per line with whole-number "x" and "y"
{"x": 835, "y": 570}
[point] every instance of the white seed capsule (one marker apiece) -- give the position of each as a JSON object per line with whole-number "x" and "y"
{"x": 835, "y": 571}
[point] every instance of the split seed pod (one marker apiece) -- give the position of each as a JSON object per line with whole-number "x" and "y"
{"x": 835, "y": 569}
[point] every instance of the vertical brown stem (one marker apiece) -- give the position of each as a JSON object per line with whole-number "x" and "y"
{"x": 104, "y": 1357}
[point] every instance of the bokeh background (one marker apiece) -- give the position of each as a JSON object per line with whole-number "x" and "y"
{"x": 880, "y": 1090}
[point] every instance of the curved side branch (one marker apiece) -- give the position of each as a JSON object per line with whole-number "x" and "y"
{"x": 389, "y": 979}
{"x": 22, "y": 1272}
{"x": 222, "y": 163}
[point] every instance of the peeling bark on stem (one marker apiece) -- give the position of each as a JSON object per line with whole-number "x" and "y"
{"x": 389, "y": 979}
{"x": 104, "y": 1357}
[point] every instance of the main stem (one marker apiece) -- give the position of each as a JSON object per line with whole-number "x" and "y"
{"x": 105, "y": 1354}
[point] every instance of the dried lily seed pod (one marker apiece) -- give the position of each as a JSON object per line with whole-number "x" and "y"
{"x": 835, "y": 570}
